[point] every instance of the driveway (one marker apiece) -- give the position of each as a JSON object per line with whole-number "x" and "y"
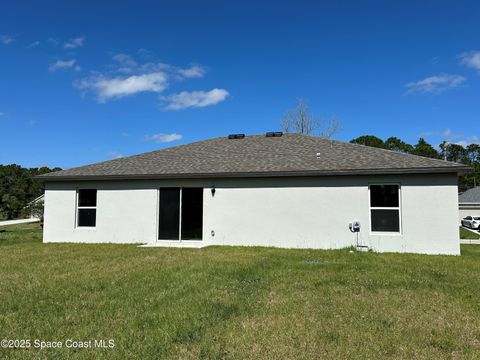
{"x": 14, "y": 222}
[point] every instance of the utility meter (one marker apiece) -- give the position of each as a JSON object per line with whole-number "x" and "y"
{"x": 354, "y": 226}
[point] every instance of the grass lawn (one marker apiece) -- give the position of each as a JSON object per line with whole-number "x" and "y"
{"x": 248, "y": 303}
{"x": 468, "y": 235}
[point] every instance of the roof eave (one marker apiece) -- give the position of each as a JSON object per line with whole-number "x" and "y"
{"x": 265, "y": 174}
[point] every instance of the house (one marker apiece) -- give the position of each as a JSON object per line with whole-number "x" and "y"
{"x": 34, "y": 206}
{"x": 469, "y": 202}
{"x": 282, "y": 190}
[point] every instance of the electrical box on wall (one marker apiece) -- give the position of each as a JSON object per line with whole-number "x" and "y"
{"x": 354, "y": 226}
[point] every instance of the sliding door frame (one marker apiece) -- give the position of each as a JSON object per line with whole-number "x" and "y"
{"x": 179, "y": 214}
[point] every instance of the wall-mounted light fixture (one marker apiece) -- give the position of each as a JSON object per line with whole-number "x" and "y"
{"x": 213, "y": 190}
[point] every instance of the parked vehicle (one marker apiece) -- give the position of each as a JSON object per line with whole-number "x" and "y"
{"x": 472, "y": 222}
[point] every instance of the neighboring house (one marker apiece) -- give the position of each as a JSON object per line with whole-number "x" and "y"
{"x": 39, "y": 201}
{"x": 291, "y": 191}
{"x": 469, "y": 202}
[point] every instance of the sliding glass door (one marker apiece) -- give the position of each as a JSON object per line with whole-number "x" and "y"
{"x": 169, "y": 222}
{"x": 181, "y": 214}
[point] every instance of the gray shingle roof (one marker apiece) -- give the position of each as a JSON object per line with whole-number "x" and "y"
{"x": 470, "y": 196}
{"x": 255, "y": 156}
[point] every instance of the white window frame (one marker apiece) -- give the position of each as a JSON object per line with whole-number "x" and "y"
{"x": 179, "y": 215}
{"x": 399, "y": 208}
{"x": 78, "y": 207}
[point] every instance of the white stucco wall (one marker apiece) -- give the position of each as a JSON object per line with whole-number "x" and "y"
{"x": 282, "y": 212}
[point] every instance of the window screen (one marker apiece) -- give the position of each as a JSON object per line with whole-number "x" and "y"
{"x": 169, "y": 214}
{"x": 384, "y": 195}
{"x": 87, "y": 208}
{"x": 192, "y": 213}
{"x": 385, "y": 208}
{"x": 87, "y": 217}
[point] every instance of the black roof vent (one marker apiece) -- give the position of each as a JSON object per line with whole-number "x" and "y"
{"x": 274, "y": 134}
{"x": 236, "y": 136}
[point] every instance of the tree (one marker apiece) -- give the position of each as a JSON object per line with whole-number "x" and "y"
{"x": 422, "y": 148}
{"x": 473, "y": 153}
{"x": 454, "y": 152}
{"x": 301, "y": 120}
{"x": 17, "y": 188}
{"x": 469, "y": 155}
{"x": 369, "y": 140}
{"x": 395, "y": 144}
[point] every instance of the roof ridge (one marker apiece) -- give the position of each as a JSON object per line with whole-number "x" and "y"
{"x": 257, "y": 154}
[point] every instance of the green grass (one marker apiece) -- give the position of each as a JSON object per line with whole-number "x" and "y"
{"x": 241, "y": 303}
{"x": 468, "y": 235}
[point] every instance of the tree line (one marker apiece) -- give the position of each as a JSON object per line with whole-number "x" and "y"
{"x": 467, "y": 155}
{"x": 18, "y": 188}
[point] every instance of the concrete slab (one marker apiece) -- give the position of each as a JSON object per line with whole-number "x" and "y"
{"x": 15, "y": 222}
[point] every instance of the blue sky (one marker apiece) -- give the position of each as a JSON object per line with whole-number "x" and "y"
{"x": 88, "y": 81}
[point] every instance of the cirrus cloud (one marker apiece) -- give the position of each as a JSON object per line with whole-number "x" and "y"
{"x": 436, "y": 84}
{"x": 163, "y": 138}
{"x": 471, "y": 59}
{"x": 64, "y": 64}
{"x": 74, "y": 43}
{"x": 194, "y": 71}
{"x": 6, "y": 39}
{"x": 195, "y": 99}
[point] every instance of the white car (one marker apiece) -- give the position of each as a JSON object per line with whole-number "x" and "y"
{"x": 473, "y": 222}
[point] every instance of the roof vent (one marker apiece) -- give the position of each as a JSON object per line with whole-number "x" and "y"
{"x": 274, "y": 134}
{"x": 236, "y": 136}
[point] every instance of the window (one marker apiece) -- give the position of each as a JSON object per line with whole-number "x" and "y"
{"x": 385, "y": 208}
{"x": 180, "y": 214}
{"x": 86, "y": 208}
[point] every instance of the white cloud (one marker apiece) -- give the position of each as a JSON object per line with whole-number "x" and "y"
{"x": 74, "y": 43}
{"x": 117, "y": 87}
{"x": 126, "y": 76}
{"x": 6, "y": 39}
{"x": 114, "y": 154}
{"x": 33, "y": 44}
{"x": 451, "y": 137}
{"x": 471, "y": 59}
{"x": 446, "y": 134}
{"x": 196, "y": 99}
{"x": 435, "y": 84}
{"x": 163, "y": 138}
{"x": 194, "y": 71}
{"x": 126, "y": 64}
{"x": 64, "y": 64}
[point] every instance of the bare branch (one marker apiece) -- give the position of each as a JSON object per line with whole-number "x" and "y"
{"x": 301, "y": 120}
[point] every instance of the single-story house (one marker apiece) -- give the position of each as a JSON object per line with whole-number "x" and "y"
{"x": 38, "y": 201}
{"x": 282, "y": 190}
{"x": 469, "y": 203}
